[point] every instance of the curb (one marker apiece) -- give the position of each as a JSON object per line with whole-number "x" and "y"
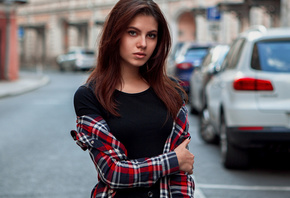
{"x": 23, "y": 85}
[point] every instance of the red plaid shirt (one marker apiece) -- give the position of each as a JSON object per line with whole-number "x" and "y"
{"x": 116, "y": 171}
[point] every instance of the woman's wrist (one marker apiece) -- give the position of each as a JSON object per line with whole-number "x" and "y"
{"x": 170, "y": 163}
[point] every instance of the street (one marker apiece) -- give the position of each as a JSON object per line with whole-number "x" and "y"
{"x": 39, "y": 159}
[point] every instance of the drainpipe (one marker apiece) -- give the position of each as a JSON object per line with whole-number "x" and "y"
{"x": 8, "y": 9}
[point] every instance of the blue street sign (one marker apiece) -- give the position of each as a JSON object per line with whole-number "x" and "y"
{"x": 213, "y": 14}
{"x": 20, "y": 32}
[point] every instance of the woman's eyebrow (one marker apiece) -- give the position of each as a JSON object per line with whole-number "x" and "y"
{"x": 132, "y": 27}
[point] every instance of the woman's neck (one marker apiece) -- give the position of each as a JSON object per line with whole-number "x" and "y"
{"x": 132, "y": 81}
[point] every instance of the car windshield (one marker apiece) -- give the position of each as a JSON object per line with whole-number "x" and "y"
{"x": 88, "y": 52}
{"x": 195, "y": 53}
{"x": 272, "y": 56}
{"x": 176, "y": 50}
{"x": 222, "y": 56}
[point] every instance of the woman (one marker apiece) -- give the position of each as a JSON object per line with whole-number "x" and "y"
{"x": 130, "y": 115}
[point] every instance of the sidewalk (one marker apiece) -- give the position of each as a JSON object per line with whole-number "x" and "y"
{"x": 28, "y": 81}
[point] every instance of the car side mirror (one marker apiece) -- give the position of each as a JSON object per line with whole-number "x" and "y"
{"x": 217, "y": 69}
{"x": 214, "y": 69}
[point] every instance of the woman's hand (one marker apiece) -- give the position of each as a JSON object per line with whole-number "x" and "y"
{"x": 185, "y": 158}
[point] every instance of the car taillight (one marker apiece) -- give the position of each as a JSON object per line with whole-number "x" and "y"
{"x": 184, "y": 83}
{"x": 251, "y": 128}
{"x": 184, "y": 65}
{"x": 252, "y": 84}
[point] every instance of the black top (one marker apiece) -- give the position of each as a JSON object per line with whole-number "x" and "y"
{"x": 143, "y": 126}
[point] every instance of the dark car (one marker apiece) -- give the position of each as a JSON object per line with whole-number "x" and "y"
{"x": 190, "y": 56}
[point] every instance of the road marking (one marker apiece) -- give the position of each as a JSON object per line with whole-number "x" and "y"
{"x": 198, "y": 193}
{"x": 239, "y": 187}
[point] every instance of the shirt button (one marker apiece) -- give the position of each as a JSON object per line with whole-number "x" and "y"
{"x": 110, "y": 151}
{"x": 92, "y": 142}
{"x": 150, "y": 194}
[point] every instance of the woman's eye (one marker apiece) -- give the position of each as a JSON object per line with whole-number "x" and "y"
{"x": 132, "y": 33}
{"x": 152, "y": 36}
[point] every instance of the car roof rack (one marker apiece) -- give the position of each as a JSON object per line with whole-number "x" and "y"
{"x": 257, "y": 28}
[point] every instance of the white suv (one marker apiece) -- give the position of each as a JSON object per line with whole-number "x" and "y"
{"x": 248, "y": 101}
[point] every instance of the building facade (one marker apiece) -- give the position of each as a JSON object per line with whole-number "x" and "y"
{"x": 9, "y": 59}
{"x": 50, "y": 28}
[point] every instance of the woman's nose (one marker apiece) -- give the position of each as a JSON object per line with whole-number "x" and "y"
{"x": 142, "y": 43}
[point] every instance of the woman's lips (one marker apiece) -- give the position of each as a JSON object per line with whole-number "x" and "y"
{"x": 139, "y": 55}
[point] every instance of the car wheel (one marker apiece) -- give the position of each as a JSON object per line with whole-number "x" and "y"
{"x": 61, "y": 67}
{"x": 232, "y": 157}
{"x": 74, "y": 68}
{"x": 206, "y": 130}
{"x": 193, "y": 110}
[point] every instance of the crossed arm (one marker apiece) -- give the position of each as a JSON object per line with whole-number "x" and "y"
{"x": 117, "y": 171}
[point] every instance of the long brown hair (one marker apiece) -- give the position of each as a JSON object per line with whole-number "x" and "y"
{"x": 106, "y": 76}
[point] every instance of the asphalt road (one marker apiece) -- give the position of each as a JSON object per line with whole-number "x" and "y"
{"x": 38, "y": 158}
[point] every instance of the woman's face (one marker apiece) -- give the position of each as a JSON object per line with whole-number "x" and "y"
{"x": 138, "y": 41}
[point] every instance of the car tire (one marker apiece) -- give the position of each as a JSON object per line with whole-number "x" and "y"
{"x": 232, "y": 156}
{"x": 61, "y": 67}
{"x": 206, "y": 130}
{"x": 193, "y": 110}
{"x": 74, "y": 68}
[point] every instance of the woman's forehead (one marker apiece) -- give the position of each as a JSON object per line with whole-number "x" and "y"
{"x": 142, "y": 21}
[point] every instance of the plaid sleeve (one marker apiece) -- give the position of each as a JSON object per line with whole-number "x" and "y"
{"x": 181, "y": 184}
{"x": 133, "y": 173}
{"x": 110, "y": 157}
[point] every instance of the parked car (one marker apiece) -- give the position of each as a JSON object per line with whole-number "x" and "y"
{"x": 189, "y": 56}
{"x": 172, "y": 57}
{"x": 248, "y": 101}
{"x": 201, "y": 75}
{"x": 77, "y": 59}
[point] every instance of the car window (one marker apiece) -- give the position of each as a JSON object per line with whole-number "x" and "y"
{"x": 176, "y": 50}
{"x": 237, "y": 49}
{"x": 71, "y": 52}
{"x": 272, "y": 56}
{"x": 195, "y": 53}
{"x": 222, "y": 55}
{"x": 207, "y": 59}
{"x": 233, "y": 54}
{"x": 228, "y": 56}
{"x": 88, "y": 52}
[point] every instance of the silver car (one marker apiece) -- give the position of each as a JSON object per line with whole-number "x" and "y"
{"x": 77, "y": 59}
{"x": 201, "y": 75}
{"x": 248, "y": 101}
